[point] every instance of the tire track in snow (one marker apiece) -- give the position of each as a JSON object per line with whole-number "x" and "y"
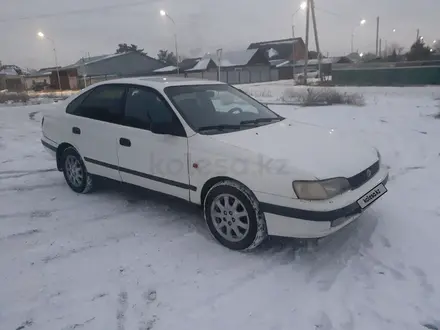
{"x": 279, "y": 259}
{"x": 122, "y": 310}
{"x": 334, "y": 253}
{"x": 18, "y": 174}
{"x": 26, "y": 233}
{"x": 23, "y": 188}
{"x": 73, "y": 251}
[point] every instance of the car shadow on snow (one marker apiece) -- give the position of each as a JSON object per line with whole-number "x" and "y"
{"x": 338, "y": 247}
{"x": 323, "y": 259}
{"x": 178, "y": 210}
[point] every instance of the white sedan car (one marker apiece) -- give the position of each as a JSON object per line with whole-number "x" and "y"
{"x": 253, "y": 172}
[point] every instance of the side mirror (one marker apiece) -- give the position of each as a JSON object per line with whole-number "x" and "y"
{"x": 162, "y": 128}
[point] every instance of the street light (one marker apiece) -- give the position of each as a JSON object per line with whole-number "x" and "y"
{"x": 394, "y": 30}
{"x": 361, "y": 23}
{"x": 302, "y": 6}
{"x": 42, "y": 36}
{"x": 165, "y": 14}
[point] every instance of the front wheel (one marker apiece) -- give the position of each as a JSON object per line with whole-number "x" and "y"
{"x": 233, "y": 217}
{"x": 75, "y": 172}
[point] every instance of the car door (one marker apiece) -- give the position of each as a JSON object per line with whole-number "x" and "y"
{"x": 157, "y": 161}
{"x": 94, "y": 125}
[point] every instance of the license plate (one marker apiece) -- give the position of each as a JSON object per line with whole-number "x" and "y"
{"x": 372, "y": 196}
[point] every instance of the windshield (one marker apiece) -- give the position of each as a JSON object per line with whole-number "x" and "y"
{"x": 212, "y": 109}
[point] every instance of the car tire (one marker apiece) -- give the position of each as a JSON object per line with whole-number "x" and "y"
{"x": 75, "y": 172}
{"x": 233, "y": 216}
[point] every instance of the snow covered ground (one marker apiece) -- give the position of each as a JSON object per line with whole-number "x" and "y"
{"x": 123, "y": 258}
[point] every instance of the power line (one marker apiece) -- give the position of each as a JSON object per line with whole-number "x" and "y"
{"x": 329, "y": 12}
{"x": 76, "y": 12}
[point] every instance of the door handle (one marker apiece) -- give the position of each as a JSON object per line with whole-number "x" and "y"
{"x": 125, "y": 142}
{"x": 76, "y": 130}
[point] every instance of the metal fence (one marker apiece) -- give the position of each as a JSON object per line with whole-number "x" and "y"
{"x": 387, "y": 76}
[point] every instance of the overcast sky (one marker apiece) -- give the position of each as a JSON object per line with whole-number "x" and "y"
{"x": 202, "y": 25}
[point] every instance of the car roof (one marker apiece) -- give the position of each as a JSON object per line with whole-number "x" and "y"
{"x": 160, "y": 82}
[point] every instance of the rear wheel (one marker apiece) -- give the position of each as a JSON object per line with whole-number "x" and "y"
{"x": 233, "y": 217}
{"x": 75, "y": 172}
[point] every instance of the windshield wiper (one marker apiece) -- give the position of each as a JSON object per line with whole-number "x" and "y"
{"x": 261, "y": 120}
{"x": 221, "y": 127}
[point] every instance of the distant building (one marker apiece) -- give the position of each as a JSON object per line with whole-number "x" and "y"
{"x": 186, "y": 64}
{"x": 11, "y": 78}
{"x": 40, "y": 78}
{"x": 98, "y": 68}
{"x": 244, "y": 66}
{"x": 279, "y": 51}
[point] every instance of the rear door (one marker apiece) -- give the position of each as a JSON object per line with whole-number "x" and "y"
{"x": 94, "y": 126}
{"x": 155, "y": 161}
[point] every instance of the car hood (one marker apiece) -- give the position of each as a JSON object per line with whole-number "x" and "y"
{"x": 322, "y": 152}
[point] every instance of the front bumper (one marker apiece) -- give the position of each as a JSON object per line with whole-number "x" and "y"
{"x": 315, "y": 219}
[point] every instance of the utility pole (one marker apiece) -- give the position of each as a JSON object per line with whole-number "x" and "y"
{"x": 293, "y": 53}
{"x": 315, "y": 28}
{"x": 418, "y": 32}
{"x": 84, "y": 71}
{"x": 219, "y": 59}
{"x": 380, "y": 47}
{"x": 377, "y": 36}
{"x": 306, "y": 54}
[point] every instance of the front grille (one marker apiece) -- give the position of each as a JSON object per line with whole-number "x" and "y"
{"x": 359, "y": 179}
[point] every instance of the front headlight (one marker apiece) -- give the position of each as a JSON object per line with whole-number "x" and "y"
{"x": 320, "y": 190}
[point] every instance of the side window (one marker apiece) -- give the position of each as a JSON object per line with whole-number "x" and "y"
{"x": 73, "y": 107}
{"x": 104, "y": 103}
{"x": 144, "y": 107}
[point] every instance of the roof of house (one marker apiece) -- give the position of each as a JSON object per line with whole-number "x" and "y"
{"x": 235, "y": 58}
{"x": 94, "y": 59}
{"x": 276, "y": 49}
{"x": 228, "y": 59}
{"x": 42, "y": 72}
{"x": 189, "y": 63}
{"x": 10, "y": 70}
{"x": 166, "y": 69}
{"x": 202, "y": 65}
{"x": 89, "y": 60}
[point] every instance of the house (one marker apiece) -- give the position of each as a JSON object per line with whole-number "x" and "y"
{"x": 186, "y": 64}
{"x": 189, "y": 63}
{"x": 278, "y": 51}
{"x": 244, "y": 66}
{"x": 40, "y": 78}
{"x": 11, "y": 78}
{"x": 93, "y": 69}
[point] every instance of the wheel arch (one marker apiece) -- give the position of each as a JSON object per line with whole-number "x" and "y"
{"x": 213, "y": 181}
{"x": 61, "y": 148}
